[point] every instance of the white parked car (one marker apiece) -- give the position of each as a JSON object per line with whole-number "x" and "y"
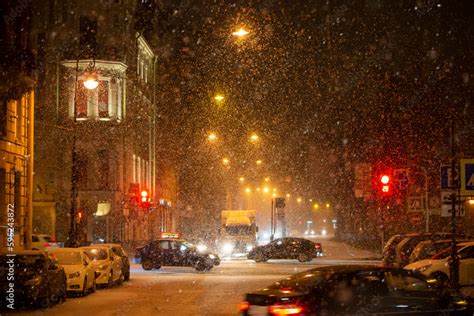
{"x": 42, "y": 241}
{"x": 79, "y": 270}
{"x": 438, "y": 266}
{"x": 107, "y": 264}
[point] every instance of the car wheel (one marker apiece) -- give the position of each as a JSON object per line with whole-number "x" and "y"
{"x": 45, "y": 302}
{"x": 120, "y": 279}
{"x": 441, "y": 277}
{"x": 201, "y": 265}
{"x": 147, "y": 264}
{"x": 303, "y": 257}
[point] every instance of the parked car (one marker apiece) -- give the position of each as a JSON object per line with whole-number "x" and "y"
{"x": 390, "y": 249}
{"x": 438, "y": 266}
{"x": 79, "y": 270}
{"x": 287, "y": 248}
{"x": 119, "y": 251}
{"x": 428, "y": 248}
{"x": 406, "y": 246}
{"x": 176, "y": 252}
{"x": 37, "y": 279}
{"x": 353, "y": 290}
{"x": 43, "y": 241}
{"x": 107, "y": 264}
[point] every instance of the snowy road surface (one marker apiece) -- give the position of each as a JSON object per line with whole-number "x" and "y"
{"x": 182, "y": 291}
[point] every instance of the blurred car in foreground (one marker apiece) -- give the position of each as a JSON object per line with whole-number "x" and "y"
{"x": 78, "y": 268}
{"x": 34, "y": 277}
{"x": 287, "y": 248}
{"x": 175, "y": 252}
{"x": 438, "y": 266}
{"x": 43, "y": 241}
{"x": 353, "y": 290}
{"x": 106, "y": 263}
{"x": 119, "y": 251}
{"x": 427, "y": 249}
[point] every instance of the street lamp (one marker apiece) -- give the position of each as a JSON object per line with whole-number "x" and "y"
{"x": 219, "y": 97}
{"x": 212, "y": 137}
{"x": 259, "y": 162}
{"x": 254, "y": 138}
{"x": 225, "y": 161}
{"x": 240, "y": 33}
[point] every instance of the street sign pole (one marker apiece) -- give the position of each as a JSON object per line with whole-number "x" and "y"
{"x": 454, "y": 262}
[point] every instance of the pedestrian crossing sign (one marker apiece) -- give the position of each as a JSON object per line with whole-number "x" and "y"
{"x": 467, "y": 177}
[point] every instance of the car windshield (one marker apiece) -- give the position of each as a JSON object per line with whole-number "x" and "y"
{"x": 97, "y": 254}
{"x": 68, "y": 257}
{"x": 279, "y": 136}
{"x": 446, "y": 253}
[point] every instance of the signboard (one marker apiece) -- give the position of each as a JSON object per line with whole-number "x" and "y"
{"x": 415, "y": 204}
{"x": 446, "y": 178}
{"x": 401, "y": 178}
{"x": 446, "y": 205}
{"x": 467, "y": 176}
{"x": 166, "y": 235}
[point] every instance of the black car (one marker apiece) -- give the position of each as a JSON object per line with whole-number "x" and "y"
{"x": 119, "y": 251}
{"x": 354, "y": 290}
{"x": 175, "y": 252}
{"x": 287, "y": 248}
{"x": 31, "y": 277}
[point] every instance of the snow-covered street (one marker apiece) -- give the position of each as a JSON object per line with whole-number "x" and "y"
{"x": 183, "y": 291}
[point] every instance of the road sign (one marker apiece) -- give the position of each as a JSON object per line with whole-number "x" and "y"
{"x": 467, "y": 176}
{"x": 446, "y": 205}
{"x": 415, "y": 204}
{"x": 416, "y": 218}
{"x": 401, "y": 178}
{"x": 446, "y": 178}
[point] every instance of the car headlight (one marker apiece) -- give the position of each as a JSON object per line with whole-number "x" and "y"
{"x": 74, "y": 275}
{"x": 249, "y": 247}
{"x": 212, "y": 256}
{"x": 228, "y": 247}
{"x": 201, "y": 247}
{"x": 35, "y": 281}
{"x": 103, "y": 267}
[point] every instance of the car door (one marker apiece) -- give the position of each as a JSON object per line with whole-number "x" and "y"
{"x": 408, "y": 293}
{"x": 277, "y": 250}
{"x": 466, "y": 266}
{"x": 166, "y": 252}
{"x": 89, "y": 268}
{"x": 116, "y": 262}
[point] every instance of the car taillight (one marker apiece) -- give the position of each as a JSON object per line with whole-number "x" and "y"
{"x": 317, "y": 246}
{"x": 244, "y": 306}
{"x": 290, "y": 309}
{"x": 46, "y": 244}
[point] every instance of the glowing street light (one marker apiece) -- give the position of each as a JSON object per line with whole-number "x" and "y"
{"x": 267, "y": 179}
{"x": 225, "y": 161}
{"x": 316, "y": 206}
{"x": 288, "y": 195}
{"x": 298, "y": 200}
{"x": 254, "y": 138}
{"x": 219, "y": 97}
{"x": 247, "y": 190}
{"x": 241, "y": 179}
{"x": 265, "y": 189}
{"x": 212, "y": 137}
{"x": 92, "y": 81}
{"x": 327, "y": 205}
{"x": 240, "y": 33}
{"x": 259, "y": 162}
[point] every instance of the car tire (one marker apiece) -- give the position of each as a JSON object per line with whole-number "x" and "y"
{"x": 147, "y": 264}
{"x": 45, "y": 301}
{"x": 127, "y": 276}
{"x": 304, "y": 257}
{"x": 203, "y": 265}
{"x": 120, "y": 280}
{"x": 260, "y": 258}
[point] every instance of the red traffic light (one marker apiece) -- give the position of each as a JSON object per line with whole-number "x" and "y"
{"x": 144, "y": 195}
{"x": 385, "y": 179}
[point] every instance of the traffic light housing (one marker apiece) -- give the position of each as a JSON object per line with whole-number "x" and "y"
{"x": 144, "y": 199}
{"x": 385, "y": 184}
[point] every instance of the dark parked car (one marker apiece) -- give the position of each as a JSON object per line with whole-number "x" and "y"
{"x": 119, "y": 251}
{"x": 287, "y": 248}
{"x": 354, "y": 290}
{"x": 175, "y": 252}
{"x": 33, "y": 277}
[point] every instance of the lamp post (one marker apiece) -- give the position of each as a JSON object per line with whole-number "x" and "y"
{"x": 90, "y": 83}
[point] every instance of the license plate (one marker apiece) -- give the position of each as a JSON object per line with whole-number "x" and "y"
{"x": 258, "y": 310}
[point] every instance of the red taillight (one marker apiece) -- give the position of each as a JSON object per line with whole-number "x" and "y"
{"x": 285, "y": 309}
{"x": 317, "y": 246}
{"x": 46, "y": 245}
{"x": 244, "y": 306}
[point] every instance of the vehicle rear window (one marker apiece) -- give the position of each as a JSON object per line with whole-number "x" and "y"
{"x": 97, "y": 254}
